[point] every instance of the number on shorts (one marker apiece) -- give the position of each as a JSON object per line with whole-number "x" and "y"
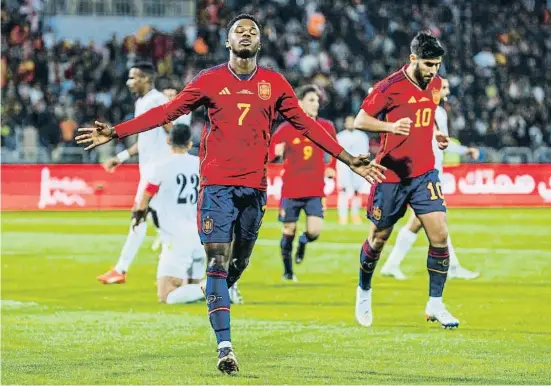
{"x": 181, "y": 180}
{"x": 307, "y": 151}
{"x": 435, "y": 191}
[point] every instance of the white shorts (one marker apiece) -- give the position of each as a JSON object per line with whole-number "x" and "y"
{"x": 182, "y": 261}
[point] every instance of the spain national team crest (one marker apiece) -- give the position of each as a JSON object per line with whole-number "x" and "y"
{"x": 264, "y": 90}
{"x": 436, "y": 96}
{"x": 377, "y": 213}
{"x": 208, "y": 225}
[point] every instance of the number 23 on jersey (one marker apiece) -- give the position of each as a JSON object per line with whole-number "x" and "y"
{"x": 185, "y": 195}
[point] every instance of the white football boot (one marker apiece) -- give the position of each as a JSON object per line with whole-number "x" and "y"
{"x": 364, "y": 313}
{"x": 439, "y": 313}
{"x": 393, "y": 271}
{"x": 458, "y": 272}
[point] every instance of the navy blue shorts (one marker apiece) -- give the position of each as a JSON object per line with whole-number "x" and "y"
{"x": 289, "y": 208}
{"x": 225, "y": 211}
{"x": 388, "y": 201}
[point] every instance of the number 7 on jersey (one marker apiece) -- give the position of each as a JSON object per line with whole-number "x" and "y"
{"x": 245, "y": 107}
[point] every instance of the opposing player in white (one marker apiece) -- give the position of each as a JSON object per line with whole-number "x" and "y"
{"x": 408, "y": 234}
{"x": 349, "y": 183}
{"x": 151, "y": 146}
{"x": 174, "y": 182}
{"x": 171, "y": 93}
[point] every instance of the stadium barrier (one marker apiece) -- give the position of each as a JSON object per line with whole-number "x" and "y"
{"x": 89, "y": 187}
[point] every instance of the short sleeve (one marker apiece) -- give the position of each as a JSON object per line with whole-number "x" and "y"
{"x": 375, "y": 103}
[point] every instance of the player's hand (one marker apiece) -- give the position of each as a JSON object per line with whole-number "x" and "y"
{"x": 473, "y": 152}
{"x": 370, "y": 170}
{"x": 111, "y": 164}
{"x": 138, "y": 216}
{"x": 95, "y": 136}
{"x": 442, "y": 139}
{"x": 401, "y": 126}
{"x": 330, "y": 173}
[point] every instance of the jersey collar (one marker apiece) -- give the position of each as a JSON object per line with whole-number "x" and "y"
{"x": 236, "y": 76}
{"x": 405, "y": 66}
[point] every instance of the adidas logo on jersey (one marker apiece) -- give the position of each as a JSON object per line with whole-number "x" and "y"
{"x": 412, "y": 100}
{"x": 224, "y": 91}
{"x": 245, "y": 91}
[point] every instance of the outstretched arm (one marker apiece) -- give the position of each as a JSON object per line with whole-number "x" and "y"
{"x": 186, "y": 101}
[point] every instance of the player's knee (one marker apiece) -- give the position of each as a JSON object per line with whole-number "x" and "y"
{"x": 218, "y": 261}
{"x": 312, "y": 235}
{"x": 379, "y": 239}
{"x": 218, "y": 256}
{"x": 414, "y": 225}
{"x": 438, "y": 237}
{"x": 242, "y": 263}
{"x": 289, "y": 228}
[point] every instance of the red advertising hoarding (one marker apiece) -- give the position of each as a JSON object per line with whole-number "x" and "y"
{"x": 89, "y": 187}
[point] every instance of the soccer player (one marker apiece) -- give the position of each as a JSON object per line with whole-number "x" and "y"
{"x": 355, "y": 142}
{"x": 303, "y": 180}
{"x": 407, "y": 99}
{"x": 408, "y": 234}
{"x": 149, "y": 147}
{"x": 242, "y": 101}
{"x": 174, "y": 182}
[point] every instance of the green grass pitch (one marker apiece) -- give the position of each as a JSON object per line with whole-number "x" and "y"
{"x": 60, "y": 326}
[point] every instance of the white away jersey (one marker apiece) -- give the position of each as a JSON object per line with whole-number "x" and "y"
{"x": 441, "y": 119}
{"x": 152, "y": 144}
{"x": 176, "y": 200}
{"x": 355, "y": 142}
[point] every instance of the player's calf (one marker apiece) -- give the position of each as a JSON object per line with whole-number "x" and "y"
{"x": 286, "y": 246}
{"x": 239, "y": 259}
{"x": 165, "y": 285}
{"x": 305, "y": 238}
{"x": 217, "y": 293}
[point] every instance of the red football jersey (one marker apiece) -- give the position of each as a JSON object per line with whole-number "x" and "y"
{"x": 241, "y": 111}
{"x": 396, "y": 97}
{"x": 304, "y": 167}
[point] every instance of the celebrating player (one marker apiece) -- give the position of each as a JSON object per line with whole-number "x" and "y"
{"x": 242, "y": 101}
{"x": 175, "y": 184}
{"x": 303, "y": 180}
{"x": 355, "y": 142}
{"x": 408, "y": 100}
{"x": 150, "y": 146}
{"x": 408, "y": 234}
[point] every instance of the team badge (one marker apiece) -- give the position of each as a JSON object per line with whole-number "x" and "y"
{"x": 436, "y": 96}
{"x": 208, "y": 225}
{"x": 264, "y": 90}
{"x": 377, "y": 213}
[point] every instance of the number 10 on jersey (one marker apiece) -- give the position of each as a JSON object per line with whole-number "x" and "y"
{"x": 422, "y": 117}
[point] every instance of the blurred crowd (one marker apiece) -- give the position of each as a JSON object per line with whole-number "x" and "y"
{"x": 497, "y": 60}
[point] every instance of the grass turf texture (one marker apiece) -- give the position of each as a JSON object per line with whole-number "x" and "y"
{"x": 60, "y": 326}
